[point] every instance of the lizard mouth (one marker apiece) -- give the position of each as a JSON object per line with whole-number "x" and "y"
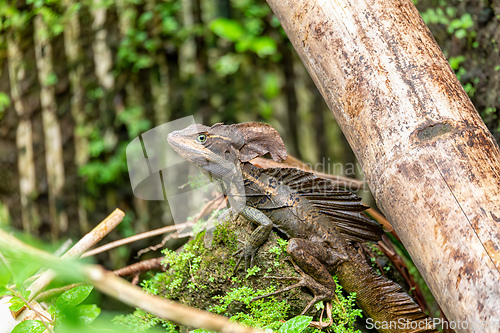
{"x": 184, "y": 147}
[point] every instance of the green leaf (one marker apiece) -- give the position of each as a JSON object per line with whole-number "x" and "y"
{"x": 29, "y": 326}
{"x": 270, "y": 86}
{"x": 243, "y": 45}
{"x": 227, "y": 29}
{"x": 73, "y": 297}
{"x": 51, "y": 79}
{"x": 295, "y": 325}
{"x": 460, "y": 33}
{"x": 87, "y": 313}
{"x": 16, "y": 304}
{"x": 456, "y": 61}
{"x": 228, "y": 64}
{"x": 264, "y": 46}
{"x": 4, "y": 101}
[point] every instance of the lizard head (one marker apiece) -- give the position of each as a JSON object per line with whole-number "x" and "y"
{"x": 223, "y": 144}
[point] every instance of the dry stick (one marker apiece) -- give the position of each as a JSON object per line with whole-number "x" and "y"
{"x": 52, "y": 292}
{"x": 151, "y": 233}
{"x": 381, "y": 219}
{"x": 110, "y": 284}
{"x": 157, "y": 246}
{"x": 59, "y": 252}
{"x": 94, "y": 236}
{"x": 140, "y": 267}
{"x": 189, "y": 234}
{"x": 135, "y": 238}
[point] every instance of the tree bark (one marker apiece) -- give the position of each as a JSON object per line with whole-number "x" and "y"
{"x": 429, "y": 160}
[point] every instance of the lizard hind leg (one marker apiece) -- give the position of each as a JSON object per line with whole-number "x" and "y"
{"x": 306, "y": 260}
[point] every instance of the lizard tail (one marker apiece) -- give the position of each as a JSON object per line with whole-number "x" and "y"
{"x": 384, "y": 301}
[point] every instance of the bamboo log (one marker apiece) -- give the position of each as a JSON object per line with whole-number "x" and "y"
{"x": 103, "y": 59}
{"x": 429, "y": 159}
{"x": 52, "y": 131}
{"x": 24, "y": 136}
{"x": 74, "y": 53}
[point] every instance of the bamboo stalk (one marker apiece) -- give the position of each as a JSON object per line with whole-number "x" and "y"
{"x": 103, "y": 59}
{"x": 429, "y": 159}
{"x": 53, "y": 143}
{"x": 24, "y": 136}
{"x": 74, "y": 53}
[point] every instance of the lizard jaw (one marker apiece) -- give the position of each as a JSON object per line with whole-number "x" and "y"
{"x": 184, "y": 147}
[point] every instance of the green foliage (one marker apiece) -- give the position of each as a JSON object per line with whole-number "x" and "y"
{"x": 185, "y": 276}
{"x": 139, "y": 321}
{"x": 4, "y": 103}
{"x": 73, "y": 297}
{"x": 228, "y": 29}
{"x": 29, "y": 326}
{"x": 264, "y": 313}
{"x": 17, "y": 303}
{"x": 456, "y": 61}
{"x": 295, "y": 325}
{"x": 252, "y": 271}
{"x": 244, "y": 39}
{"x": 280, "y": 248}
{"x": 344, "y": 312}
{"x": 460, "y": 27}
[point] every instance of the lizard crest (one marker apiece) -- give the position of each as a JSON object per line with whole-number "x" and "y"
{"x": 221, "y": 144}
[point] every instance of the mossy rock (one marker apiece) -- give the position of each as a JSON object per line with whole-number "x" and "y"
{"x": 198, "y": 276}
{"x": 205, "y": 278}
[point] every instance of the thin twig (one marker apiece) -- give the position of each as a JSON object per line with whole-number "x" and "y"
{"x": 52, "y": 292}
{"x": 141, "y": 267}
{"x": 94, "y": 236}
{"x": 157, "y": 246}
{"x": 204, "y": 211}
{"x": 110, "y": 284}
{"x": 28, "y": 305}
{"x": 114, "y": 286}
{"x": 381, "y": 219}
{"x": 135, "y": 238}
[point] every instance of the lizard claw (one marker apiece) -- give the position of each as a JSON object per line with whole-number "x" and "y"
{"x": 319, "y": 291}
{"x": 321, "y": 324}
{"x": 247, "y": 253}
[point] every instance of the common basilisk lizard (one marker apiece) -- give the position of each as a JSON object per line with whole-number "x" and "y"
{"x": 324, "y": 223}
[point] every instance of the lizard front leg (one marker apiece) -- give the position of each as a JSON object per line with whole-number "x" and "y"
{"x": 258, "y": 236}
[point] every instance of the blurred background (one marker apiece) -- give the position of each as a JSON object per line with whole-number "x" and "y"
{"x": 80, "y": 79}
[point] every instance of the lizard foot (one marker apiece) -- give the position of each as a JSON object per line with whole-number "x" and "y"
{"x": 319, "y": 291}
{"x": 321, "y": 324}
{"x": 246, "y": 252}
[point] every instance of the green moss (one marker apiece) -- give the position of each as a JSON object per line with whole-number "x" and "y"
{"x": 204, "y": 278}
{"x": 225, "y": 236}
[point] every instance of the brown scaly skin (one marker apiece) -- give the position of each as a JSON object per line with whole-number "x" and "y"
{"x": 324, "y": 223}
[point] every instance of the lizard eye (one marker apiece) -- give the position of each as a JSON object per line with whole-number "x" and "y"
{"x": 201, "y": 138}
